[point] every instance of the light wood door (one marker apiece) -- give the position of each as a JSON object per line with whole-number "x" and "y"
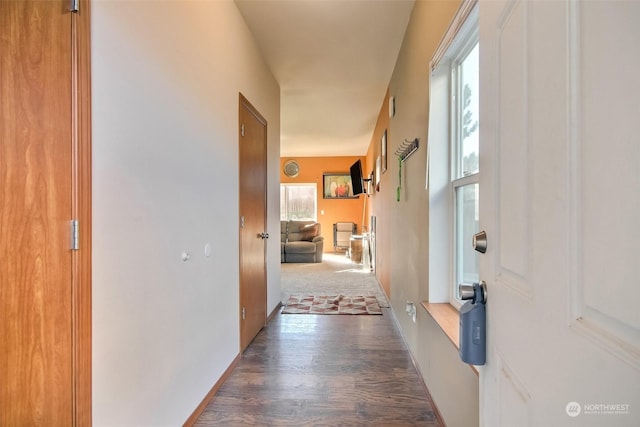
{"x": 253, "y": 220}
{"x": 560, "y": 196}
{"x": 39, "y": 347}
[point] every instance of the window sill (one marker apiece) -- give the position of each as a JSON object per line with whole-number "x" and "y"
{"x": 448, "y": 318}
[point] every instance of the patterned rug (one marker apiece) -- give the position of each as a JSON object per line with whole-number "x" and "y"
{"x": 335, "y": 275}
{"x": 332, "y": 304}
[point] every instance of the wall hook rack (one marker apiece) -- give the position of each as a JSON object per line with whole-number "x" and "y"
{"x": 407, "y": 148}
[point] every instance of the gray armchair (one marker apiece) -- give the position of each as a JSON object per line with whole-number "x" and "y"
{"x": 301, "y": 241}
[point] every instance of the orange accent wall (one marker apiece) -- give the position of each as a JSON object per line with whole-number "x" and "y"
{"x": 335, "y": 210}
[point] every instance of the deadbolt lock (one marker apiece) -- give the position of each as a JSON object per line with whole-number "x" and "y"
{"x": 480, "y": 242}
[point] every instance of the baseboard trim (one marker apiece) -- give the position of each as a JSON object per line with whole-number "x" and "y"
{"x": 436, "y": 411}
{"x": 201, "y": 407}
{"x": 274, "y": 312}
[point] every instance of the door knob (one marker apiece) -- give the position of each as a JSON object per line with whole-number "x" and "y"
{"x": 477, "y": 292}
{"x": 263, "y": 235}
{"x": 466, "y": 291}
{"x": 480, "y": 242}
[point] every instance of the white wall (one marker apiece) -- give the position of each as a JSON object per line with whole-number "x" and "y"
{"x": 452, "y": 384}
{"x": 165, "y": 81}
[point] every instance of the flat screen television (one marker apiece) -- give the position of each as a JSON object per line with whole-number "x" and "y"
{"x": 356, "y": 178}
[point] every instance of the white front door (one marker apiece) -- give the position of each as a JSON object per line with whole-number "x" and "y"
{"x": 560, "y": 202}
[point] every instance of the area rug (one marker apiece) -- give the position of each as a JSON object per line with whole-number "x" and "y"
{"x": 335, "y": 275}
{"x": 332, "y": 304}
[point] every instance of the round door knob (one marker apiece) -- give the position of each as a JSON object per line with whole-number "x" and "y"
{"x": 477, "y": 292}
{"x": 466, "y": 291}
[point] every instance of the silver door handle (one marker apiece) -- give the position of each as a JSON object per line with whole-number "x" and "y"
{"x": 263, "y": 236}
{"x": 476, "y": 292}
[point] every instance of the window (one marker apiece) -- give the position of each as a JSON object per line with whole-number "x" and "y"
{"x": 454, "y": 167}
{"x": 298, "y": 202}
{"x": 465, "y": 189}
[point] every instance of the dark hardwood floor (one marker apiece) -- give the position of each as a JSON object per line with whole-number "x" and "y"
{"x": 323, "y": 370}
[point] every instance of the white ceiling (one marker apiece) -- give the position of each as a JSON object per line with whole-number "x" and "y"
{"x": 333, "y": 60}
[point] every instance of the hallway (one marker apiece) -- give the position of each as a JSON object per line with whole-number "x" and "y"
{"x": 330, "y": 370}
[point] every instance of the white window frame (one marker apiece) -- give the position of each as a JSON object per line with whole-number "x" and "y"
{"x": 443, "y": 145}
{"x": 467, "y": 42}
{"x": 302, "y": 184}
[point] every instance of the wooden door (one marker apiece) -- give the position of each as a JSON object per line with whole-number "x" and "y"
{"x": 560, "y": 196}
{"x": 253, "y": 220}
{"x": 44, "y": 363}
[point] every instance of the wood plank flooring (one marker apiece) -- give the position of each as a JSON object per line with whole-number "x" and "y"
{"x": 324, "y": 370}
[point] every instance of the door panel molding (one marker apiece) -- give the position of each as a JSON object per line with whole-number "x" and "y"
{"x": 600, "y": 307}
{"x": 514, "y": 398}
{"x": 514, "y": 169}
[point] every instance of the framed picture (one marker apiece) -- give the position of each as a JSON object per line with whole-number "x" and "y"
{"x": 383, "y": 152}
{"x": 337, "y": 186}
{"x": 378, "y": 173}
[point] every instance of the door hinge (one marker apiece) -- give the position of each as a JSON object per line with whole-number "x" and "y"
{"x": 244, "y": 313}
{"x": 242, "y": 221}
{"x": 75, "y": 235}
{"x": 75, "y": 6}
{"x": 242, "y": 129}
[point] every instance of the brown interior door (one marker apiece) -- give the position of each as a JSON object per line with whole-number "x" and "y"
{"x": 253, "y": 197}
{"x": 39, "y": 352}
